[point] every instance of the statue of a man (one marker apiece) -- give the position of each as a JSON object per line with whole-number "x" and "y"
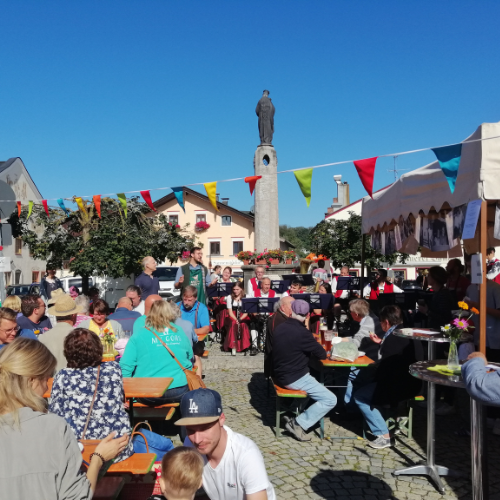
{"x": 265, "y": 112}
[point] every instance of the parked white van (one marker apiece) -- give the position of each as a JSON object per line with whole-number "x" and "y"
{"x": 166, "y": 277}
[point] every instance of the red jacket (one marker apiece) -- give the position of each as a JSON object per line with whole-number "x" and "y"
{"x": 374, "y": 293}
{"x": 272, "y": 293}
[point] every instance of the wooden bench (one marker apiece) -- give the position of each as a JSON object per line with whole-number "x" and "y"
{"x": 290, "y": 394}
{"x": 205, "y": 354}
{"x": 145, "y": 411}
{"x": 108, "y": 488}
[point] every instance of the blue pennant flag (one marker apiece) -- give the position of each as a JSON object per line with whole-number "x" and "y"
{"x": 179, "y": 194}
{"x": 449, "y": 160}
{"x": 60, "y": 202}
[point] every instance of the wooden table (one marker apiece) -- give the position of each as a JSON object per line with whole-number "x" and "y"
{"x": 138, "y": 463}
{"x": 360, "y": 362}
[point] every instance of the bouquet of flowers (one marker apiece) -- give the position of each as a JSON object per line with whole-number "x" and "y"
{"x": 201, "y": 226}
{"x": 459, "y": 325}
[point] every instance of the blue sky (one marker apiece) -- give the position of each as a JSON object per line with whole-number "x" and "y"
{"x": 101, "y": 97}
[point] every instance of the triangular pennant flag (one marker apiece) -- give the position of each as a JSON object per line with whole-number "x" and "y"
{"x": 46, "y": 207}
{"x": 30, "y": 209}
{"x": 82, "y": 206}
{"x": 366, "y": 172}
{"x": 97, "y": 203}
{"x": 60, "y": 202}
{"x": 449, "y": 161}
{"x": 179, "y": 195}
{"x": 211, "y": 189}
{"x": 304, "y": 178}
{"x": 123, "y": 201}
{"x": 19, "y": 209}
{"x": 147, "y": 198}
{"x": 251, "y": 181}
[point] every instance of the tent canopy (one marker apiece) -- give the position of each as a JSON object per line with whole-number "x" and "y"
{"x": 426, "y": 188}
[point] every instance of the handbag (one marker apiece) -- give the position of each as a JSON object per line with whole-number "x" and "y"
{"x": 194, "y": 382}
{"x": 147, "y": 441}
{"x": 91, "y": 404}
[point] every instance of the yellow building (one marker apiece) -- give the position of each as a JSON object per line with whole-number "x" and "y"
{"x": 230, "y": 231}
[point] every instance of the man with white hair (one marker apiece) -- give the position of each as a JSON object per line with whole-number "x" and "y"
{"x": 293, "y": 345}
{"x": 148, "y": 284}
{"x": 253, "y": 284}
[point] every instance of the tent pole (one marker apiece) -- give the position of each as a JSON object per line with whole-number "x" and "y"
{"x": 482, "y": 288}
{"x": 362, "y": 279}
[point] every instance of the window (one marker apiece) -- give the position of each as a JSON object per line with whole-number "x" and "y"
{"x": 237, "y": 247}
{"x": 18, "y": 277}
{"x": 35, "y": 275}
{"x": 8, "y": 278}
{"x": 201, "y": 217}
{"x": 226, "y": 220}
{"x": 215, "y": 248}
{"x": 66, "y": 265}
{"x": 19, "y": 246}
{"x": 173, "y": 219}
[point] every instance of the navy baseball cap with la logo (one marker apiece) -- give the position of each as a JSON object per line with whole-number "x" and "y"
{"x": 201, "y": 406}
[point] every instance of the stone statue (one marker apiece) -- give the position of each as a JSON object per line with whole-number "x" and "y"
{"x": 265, "y": 112}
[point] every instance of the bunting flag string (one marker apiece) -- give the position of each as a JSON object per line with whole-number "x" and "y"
{"x": 147, "y": 198}
{"x": 30, "y": 209}
{"x": 304, "y": 178}
{"x": 366, "y": 172}
{"x": 82, "y": 206}
{"x": 123, "y": 201}
{"x": 179, "y": 195}
{"x": 211, "y": 189}
{"x": 97, "y": 203}
{"x": 449, "y": 161}
{"x": 46, "y": 207}
{"x": 60, "y": 202}
{"x": 251, "y": 181}
{"x": 19, "y": 209}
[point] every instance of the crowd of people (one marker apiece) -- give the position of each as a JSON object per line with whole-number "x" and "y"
{"x": 66, "y": 337}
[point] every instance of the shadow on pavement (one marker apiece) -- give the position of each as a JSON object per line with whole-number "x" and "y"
{"x": 264, "y": 404}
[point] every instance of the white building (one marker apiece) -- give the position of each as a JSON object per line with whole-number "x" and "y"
{"x": 17, "y": 184}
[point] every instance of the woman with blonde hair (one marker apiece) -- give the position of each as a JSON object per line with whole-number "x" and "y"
{"x": 41, "y": 457}
{"x": 13, "y": 302}
{"x": 147, "y": 356}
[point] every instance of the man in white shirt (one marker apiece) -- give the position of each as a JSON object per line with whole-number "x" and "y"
{"x": 380, "y": 285}
{"x": 234, "y": 468}
{"x": 253, "y": 283}
{"x": 133, "y": 292}
{"x": 264, "y": 291}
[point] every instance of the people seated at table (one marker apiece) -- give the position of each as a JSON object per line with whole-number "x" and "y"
{"x": 146, "y": 355}
{"x": 237, "y": 322}
{"x": 293, "y": 346}
{"x": 282, "y": 311}
{"x": 134, "y": 292}
{"x": 389, "y": 382}
{"x": 40, "y": 456}
{"x": 295, "y": 288}
{"x": 254, "y": 283}
{"x": 456, "y": 283}
{"x": 88, "y": 393}
{"x": 9, "y": 329}
{"x": 481, "y": 384}
{"x": 65, "y": 311}
{"x": 234, "y": 467}
{"x": 492, "y": 266}
{"x": 125, "y": 315}
{"x": 325, "y": 314}
{"x": 380, "y": 285}
{"x": 33, "y": 318}
{"x": 13, "y": 302}
{"x": 320, "y": 272}
{"x": 181, "y": 474}
{"x": 101, "y": 324}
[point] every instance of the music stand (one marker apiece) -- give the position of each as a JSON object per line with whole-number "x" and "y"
{"x": 344, "y": 283}
{"x": 305, "y": 279}
{"x": 259, "y": 305}
{"x": 316, "y": 300}
{"x": 280, "y": 286}
{"x": 220, "y": 290}
{"x": 355, "y": 283}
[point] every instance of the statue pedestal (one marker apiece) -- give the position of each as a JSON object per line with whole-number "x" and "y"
{"x": 276, "y": 269}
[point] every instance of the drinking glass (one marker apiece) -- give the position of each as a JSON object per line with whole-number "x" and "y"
{"x": 328, "y": 340}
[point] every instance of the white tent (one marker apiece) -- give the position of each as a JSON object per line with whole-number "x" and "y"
{"x": 427, "y": 187}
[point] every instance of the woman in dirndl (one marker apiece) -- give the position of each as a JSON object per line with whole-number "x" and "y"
{"x": 220, "y": 308}
{"x": 317, "y": 314}
{"x": 236, "y": 324}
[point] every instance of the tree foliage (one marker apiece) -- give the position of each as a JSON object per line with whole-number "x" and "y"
{"x": 297, "y": 236}
{"x": 340, "y": 240}
{"x": 113, "y": 245}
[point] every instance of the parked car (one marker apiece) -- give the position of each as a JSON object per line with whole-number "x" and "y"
{"x": 22, "y": 290}
{"x": 166, "y": 277}
{"x": 410, "y": 285}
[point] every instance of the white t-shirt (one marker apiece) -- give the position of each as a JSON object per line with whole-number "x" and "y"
{"x": 241, "y": 471}
{"x": 140, "y": 308}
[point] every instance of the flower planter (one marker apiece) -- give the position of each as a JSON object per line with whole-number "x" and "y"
{"x": 274, "y": 261}
{"x": 246, "y": 262}
{"x": 260, "y": 262}
{"x": 288, "y": 261}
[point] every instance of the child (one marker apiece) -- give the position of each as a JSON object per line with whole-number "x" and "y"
{"x": 181, "y": 474}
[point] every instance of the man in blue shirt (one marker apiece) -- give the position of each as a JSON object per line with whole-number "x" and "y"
{"x": 9, "y": 329}
{"x": 196, "y": 313}
{"x": 148, "y": 284}
{"x": 124, "y": 314}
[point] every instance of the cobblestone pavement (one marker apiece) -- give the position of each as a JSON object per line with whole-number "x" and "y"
{"x": 343, "y": 468}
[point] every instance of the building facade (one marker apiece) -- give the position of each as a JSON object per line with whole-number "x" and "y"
{"x": 17, "y": 184}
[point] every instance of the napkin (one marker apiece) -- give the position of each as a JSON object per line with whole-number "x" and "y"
{"x": 444, "y": 370}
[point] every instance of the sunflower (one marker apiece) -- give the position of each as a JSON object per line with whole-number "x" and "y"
{"x": 463, "y": 305}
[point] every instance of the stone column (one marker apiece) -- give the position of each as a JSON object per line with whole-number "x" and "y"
{"x": 266, "y": 199}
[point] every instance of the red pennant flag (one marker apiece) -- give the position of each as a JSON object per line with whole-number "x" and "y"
{"x": 147, "y": 198}
{"x": 251, "y": 181}
{"x": 366, "y": 171}
{"x": 97, "y": 204}
{"x": 19, "y": 209}
{"x": 45, "y": 207}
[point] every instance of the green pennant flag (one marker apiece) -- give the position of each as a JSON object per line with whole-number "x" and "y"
{"x": 30, "y": 209}
{"x": 123, "y": 201}
{"x": 304, "y": 178}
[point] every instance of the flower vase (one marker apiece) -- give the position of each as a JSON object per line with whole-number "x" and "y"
{"x": 453, "y": 362}
{"x": 109, "y": 348}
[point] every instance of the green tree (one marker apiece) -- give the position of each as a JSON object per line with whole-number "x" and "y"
{"x": 340, "y": 240}
{"x": 298, "y": 237}
{"x": 113, "y": 245}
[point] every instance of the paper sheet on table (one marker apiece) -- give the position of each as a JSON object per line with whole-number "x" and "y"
{"x": 427, "y": 332}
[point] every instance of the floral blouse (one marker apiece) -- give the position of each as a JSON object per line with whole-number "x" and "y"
{"x": 71, "y": 398}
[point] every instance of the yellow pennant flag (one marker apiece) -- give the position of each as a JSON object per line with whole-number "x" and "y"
{"x": 81, "y": 206}
{"x": 211, "y": 189}
{"x": 304, "y": 178}
{"x": 30, "y": 209}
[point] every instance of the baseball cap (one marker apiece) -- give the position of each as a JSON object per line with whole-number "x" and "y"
{"x": 300, "y": 307}
{"x": 201, "y": 406}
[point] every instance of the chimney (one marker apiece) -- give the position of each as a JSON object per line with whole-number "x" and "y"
{"x": 217, "y": 197}
{"x": 342, "y": 198}
{"x": 225, "y": 200}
